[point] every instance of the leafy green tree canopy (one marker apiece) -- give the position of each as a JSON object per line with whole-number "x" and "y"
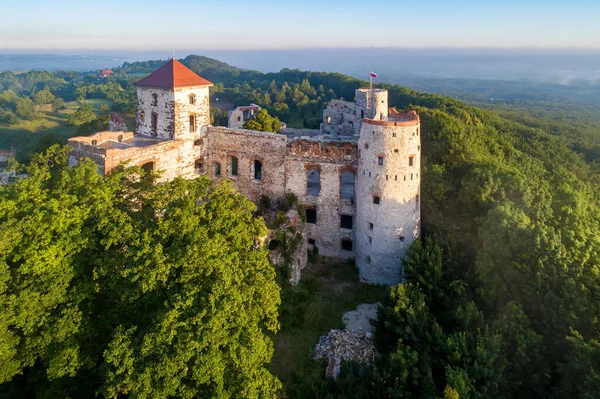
{"x": 122, "y": 286}
{"x": 263, "y": 122}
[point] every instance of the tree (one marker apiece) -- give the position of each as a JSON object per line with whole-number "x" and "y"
{"x": 263, "y": 122}
{"x": 124, "y": 286}
{"x": 25, "y": 108}
{"x": 84, "y": 114}
{"x": 44, "y": 96}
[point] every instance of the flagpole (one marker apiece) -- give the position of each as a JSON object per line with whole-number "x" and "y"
{"x": 371, "y": 76}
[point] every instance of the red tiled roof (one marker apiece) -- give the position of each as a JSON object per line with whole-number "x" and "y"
{"x": 107, "y": 72}
{"x": 171, "y": 75}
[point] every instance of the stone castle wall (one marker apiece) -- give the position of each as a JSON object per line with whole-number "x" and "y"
{"x": 360, "y": 153}
{"x": 249, "y": 146}
{"x": 388, "y": 207}
{"x": 330, "y": 159}
{"x": 164, "y": 109}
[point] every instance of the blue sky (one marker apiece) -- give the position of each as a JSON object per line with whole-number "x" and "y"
{"x": 263, "y": 24}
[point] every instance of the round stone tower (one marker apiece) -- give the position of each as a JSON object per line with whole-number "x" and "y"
{"x": 371, "y": 104}
{"x": 388, "y": 210}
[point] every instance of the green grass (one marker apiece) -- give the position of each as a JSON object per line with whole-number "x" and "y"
{"x": 327, "y": 290}
{"x": 25, "y": 136}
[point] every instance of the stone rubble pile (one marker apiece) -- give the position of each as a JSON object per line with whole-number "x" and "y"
{"x": 346, "y": 345}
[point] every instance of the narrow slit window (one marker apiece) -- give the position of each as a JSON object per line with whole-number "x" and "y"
{"x": 257, "y": 170}
{"x": 154, "y": 122}
{"x": 217, "y": 170}
{"x": 192, "y": 123}
{"x": 198, "y": 166}
{"x": 234, "y": 166}
{"x": 154, "y": 99}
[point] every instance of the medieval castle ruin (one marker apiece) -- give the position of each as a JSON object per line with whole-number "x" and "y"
{"x": 357, "y": 176}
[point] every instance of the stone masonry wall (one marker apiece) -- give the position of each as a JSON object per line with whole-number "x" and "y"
{"x": 249, "y": 146}
{"x": 331, "y": 159}
{"x": 339, "y": 118}
{"x": 389, "y": 167}
{"x": 164, "y": 109}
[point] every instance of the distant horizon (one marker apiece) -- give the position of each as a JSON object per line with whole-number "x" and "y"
{"x": 119, "y": 52}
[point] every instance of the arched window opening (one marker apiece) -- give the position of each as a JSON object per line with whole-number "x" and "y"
{"x": 347, "y": 186}
{"x": 192, "y": 123}
{"x": 148, "y": 167}
{"x": 313, "y": 182}
{"x": 199, "y": 142}
{"x": 192, "y": 99}
{"x": 234, "y": 166}
{"x": 199, "y": 166}
{"x": 217, "y": 170}
{"x": 154, "y": 122}
{"x": 143, "y": 116}
{"x": 257, "y": 170}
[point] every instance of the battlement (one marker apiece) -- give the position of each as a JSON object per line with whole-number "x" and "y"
{"x": 396, "y": 118}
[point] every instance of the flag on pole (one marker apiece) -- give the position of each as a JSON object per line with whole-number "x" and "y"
{"x": 373, "y": 74}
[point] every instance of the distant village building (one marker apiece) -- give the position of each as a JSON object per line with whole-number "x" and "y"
{"x": 104, "y": 73}
{"x": 358, "y": 176}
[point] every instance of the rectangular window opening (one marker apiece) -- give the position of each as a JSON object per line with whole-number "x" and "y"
{"x": 347, "y": 245}
{"x": 411, "y": 161}
{"x": 376, "y": 199}
{"x": 346, "y": 221}
{"x": 234, "y": 166}
{"x": 313, "y": 182}
{"x": 311, "y": 216}
{"x": 257, "y": 170}
{"x": 380, "y": 161}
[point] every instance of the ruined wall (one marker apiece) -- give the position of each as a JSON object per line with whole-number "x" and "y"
{"x": 372, "y": 104}
{"x": 164, "y": 109}
{"x": 330, "y": 158}
{"x": 339, "y": 118}
{"x": 296, "y": 133}
{"x": 249, "y": 146}
{"x": 386, "y": 230}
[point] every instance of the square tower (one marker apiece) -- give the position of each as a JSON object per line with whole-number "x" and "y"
{"x": 172, "y": 103}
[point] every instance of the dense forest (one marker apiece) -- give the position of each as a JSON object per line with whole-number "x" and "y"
{"x": 502, "y": 294}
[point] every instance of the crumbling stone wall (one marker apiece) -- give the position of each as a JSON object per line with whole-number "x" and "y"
{"x": 331, "y": 159}
{"x": 339, "y": 118}
{"x": 249, "y": 146}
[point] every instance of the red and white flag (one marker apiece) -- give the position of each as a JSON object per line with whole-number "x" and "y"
{"x": 373, "y": 74}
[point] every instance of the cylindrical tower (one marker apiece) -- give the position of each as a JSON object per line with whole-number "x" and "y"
{"x": 388, "y": 210}
{"x": 371, "y": 104}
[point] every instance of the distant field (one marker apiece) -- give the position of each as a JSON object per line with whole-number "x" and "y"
{"x": 25, "y": 135}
